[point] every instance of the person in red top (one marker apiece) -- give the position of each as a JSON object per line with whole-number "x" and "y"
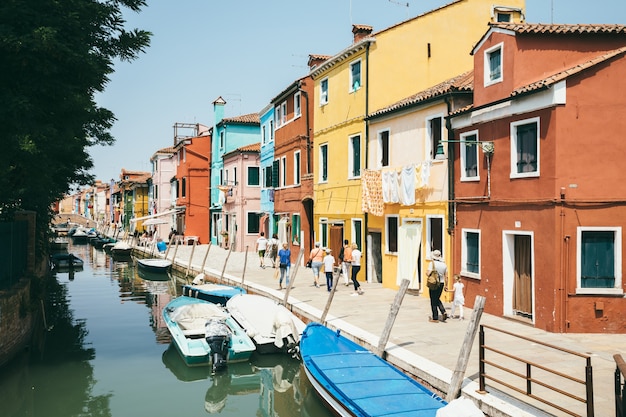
{"x": 345, "y": 257}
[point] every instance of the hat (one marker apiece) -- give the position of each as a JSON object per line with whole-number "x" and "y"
{"x": 436, "y": 255}
{"x": 328, "y": 250}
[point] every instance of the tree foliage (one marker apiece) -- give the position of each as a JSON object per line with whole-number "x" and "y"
{"x": 55, "y": 56}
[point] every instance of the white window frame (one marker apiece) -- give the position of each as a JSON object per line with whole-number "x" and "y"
{"x": 323, "y": 231}
{"x": 297, "y": 105}
{"x": 271, "y": 131}
{"x": 464, "y": 270}
{"x": 283, "y": 171}
{"x": 487, "y": 67}
{"x": 323, "y": 91}
{"x": 278, "y": 116}
{"x": 351, "y": 152}
{"x": 387, "y": 217}
{"x": 248, "y": 167}
{"x": 283, "y": 112}
{"x": 351, "y": 88}
{"x": 431, "y": 150}
{"x": 429, "y": 234}
{"x": 222, "y": 139}
{"x": 463, "y": 156}
{"x": 357, "y": 223}
{"x": 379, "y": 162}
{"x": 617, "y": 289}
{"x": 323, "y": 162}
{"x": 513, "y": 141}
{"x": 297, "y": 162}
{"x": 264, "y": 134}
{"x": 248, "y": 232}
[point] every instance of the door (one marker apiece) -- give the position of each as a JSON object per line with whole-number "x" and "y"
{"x": 335, "y": 240}
{"x": 375, "y": 257}
{"x": 409, "y": 243}
{"x": 522, "y": 281}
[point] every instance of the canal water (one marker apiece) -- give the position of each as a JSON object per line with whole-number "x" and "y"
{"x": 103, "y": 350}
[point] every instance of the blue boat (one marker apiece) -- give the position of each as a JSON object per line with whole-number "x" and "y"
{"x": 214, "y": 293}
{"x": 353, "y": 381}
{"x": 205, "y": 334}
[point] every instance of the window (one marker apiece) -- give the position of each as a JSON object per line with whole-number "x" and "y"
{"x": 283, "y": 177}
{"x": 254, "y": 222}
{"x": 470, "y": 253}
{"x": 263, "y": 135}
{"x": 493, "y": 65}
{"x": 183, "y": 187}
{"x": 434, "y": 234}
{"x": 283, "y": 113}
{"x": 295, "y": 229}
{"x": 267, "y": 177}
{"x": 234, "y": 175}
{"x": 253, "y": 176}
{"x": 297, "y": 105}
{"x": 323, "y": 232}
{"x": 271, "y": 130}
{"x": 391, "y": 223}
{"x": 324, "y": 91}
{"x": 222, "y": 140}
{"x": 355, "y": 76}
{"x": 156, "y": 191}
{"x": 357, "y": 232}
{"x": 354, "y": 157}
{"x": 221, "y": 176}
{"x": 383, "y": 148}
{"x": 599, "y": 260}
{"x": 226, "y": 176}
{"x": 296, "y": 167}
{"x": 278, "y": 116}
{"x": 469, "y": 156}
{"x": 434, "y": 130}
{"x": 525, "y": 148}
{"x": 324, "y": 163}
{"x": 503, "y": 17}
{"x": 275, "y": 173}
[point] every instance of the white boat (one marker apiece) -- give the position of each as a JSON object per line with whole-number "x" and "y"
{"x": 121, "y": 250}
{"x": 155, "y": 265}
{"x": 274, "y": 330}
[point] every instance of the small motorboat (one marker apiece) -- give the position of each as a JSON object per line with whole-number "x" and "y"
{"x": 59, "y": 244}
{"x": 121, "y": 251}
{"x": 214, "y": 293}
{"x": 205, "y": 334}
{"x": 353, "y": 381}
{"x": 275, "y": 330}
{"x": 154, "y": 265}
{"x": 80, "y": 236}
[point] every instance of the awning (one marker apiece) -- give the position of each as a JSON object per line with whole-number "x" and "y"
{"x": 153, "y": 216}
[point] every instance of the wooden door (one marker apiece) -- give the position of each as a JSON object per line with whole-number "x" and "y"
{"x": 522, "y": 286}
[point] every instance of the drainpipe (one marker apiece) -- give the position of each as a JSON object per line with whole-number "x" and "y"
{"x": 366, "y": 165}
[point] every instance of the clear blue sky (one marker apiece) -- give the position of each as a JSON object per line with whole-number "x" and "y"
{"x": 248, "y": 51}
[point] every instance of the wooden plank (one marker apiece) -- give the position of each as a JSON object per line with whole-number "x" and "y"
{"x": 470, "y": 334}
{"x": 391, "y": 318}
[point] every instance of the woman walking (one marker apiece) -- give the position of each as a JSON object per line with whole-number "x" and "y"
{"x": 356, "y": 267}
{"x": 284, "y": 257}
{"x": 316, "y": 257}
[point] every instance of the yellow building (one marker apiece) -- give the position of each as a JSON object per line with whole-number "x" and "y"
{"x": 377, "y": 70}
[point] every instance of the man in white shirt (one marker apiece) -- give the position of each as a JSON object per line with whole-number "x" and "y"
{"x": 261, "y": 247}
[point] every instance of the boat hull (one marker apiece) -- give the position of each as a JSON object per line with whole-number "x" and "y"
{"x": 355, "y": 382}
{"x": 214, "y": 293}
{"x": 191, "y": 344}
{"x": 155, "y": 265}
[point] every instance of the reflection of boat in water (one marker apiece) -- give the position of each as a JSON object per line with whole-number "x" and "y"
{"x": 65, "y": 261}
{"x": 269, "y": 375}
{"x": 173, "y": 361}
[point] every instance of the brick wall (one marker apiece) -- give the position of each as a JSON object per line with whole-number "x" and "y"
{"x": 16, "y": 320}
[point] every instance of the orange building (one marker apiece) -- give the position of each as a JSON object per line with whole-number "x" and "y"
{"x": 538, "y": 191}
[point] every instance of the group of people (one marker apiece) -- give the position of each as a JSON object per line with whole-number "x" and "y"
{"x": 322, "y": 259}
{"x": 349, "y": 262}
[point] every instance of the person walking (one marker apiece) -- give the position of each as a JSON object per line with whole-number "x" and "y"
{"x": 459, "y": 297}
{"x": 356, "y": 267}
{"x": 272, "y": 249}
{"x": 345, "y": 257}
{"x": 316, "y": 257}
{"x": 284, "y": 259}
{"x": 329, "y": 266}
{"x": 439, "y": 267}
{"x": 261, "y": 247}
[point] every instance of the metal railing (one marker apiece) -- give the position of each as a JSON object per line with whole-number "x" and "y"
{"x": 620, "y": 387}
{"x": 535, "y": 387}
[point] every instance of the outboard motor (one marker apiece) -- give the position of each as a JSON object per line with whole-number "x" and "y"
{"x": 218, "y": 337}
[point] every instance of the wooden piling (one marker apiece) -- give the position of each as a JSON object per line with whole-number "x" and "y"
{"x": 292, "y": 275}
{"x": 331, "y": 294}
{"x": 230, "y": 249}
{"x": 190, "y": 258}
{"x": 245, "y": 263}
{"x": 206, "y": 255}
{"x": 466, "y": 349}
{"x": 391, "y": 318}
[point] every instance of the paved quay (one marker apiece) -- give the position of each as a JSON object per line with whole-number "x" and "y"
{"x": 427, "y": 350}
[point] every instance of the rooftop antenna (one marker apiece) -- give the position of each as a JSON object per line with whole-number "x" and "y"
{"x": 401, "y": 4}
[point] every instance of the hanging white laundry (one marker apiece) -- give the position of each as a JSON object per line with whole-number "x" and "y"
{"x": 385, "y": 184}
{"x": 426, "y": 172}
{"x": 407, "y": 185}
{"x": 394, "y": 186}
{"x": 390, "y": 187}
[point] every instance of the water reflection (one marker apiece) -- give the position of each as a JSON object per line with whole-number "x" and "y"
{"x": 102, "y": 349}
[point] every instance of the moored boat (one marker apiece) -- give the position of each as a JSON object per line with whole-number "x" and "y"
{"x": 204, "y": 333}
{"x": 214, "y": 293}
{"x": 154, "y": 265}
{"x": 353, "y": 381}
{"x": 65, "y": 260}
{"x": 121, "y": 251}
{"x": 276, "y": 330}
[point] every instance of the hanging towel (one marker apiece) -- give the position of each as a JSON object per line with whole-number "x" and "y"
{"x": 390, "y": 187}
{"x": 425, "y": 173}
{"x": 372, "y": 193}
{"x": 407, "y": 189}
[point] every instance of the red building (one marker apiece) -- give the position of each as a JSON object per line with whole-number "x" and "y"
{"x": 192, "y": 156}
{"x": 538, "y": 193}
{"x": 293, "y": 152}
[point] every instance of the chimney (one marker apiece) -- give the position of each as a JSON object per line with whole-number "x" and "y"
{"x": 316, "y": 60}
{"x": 361, "y": 31}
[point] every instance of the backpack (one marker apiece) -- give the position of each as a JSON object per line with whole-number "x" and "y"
{"x": 432, "y": 282}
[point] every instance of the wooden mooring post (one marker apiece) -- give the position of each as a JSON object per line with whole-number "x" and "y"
{"x": 391, "y": 318}
{"x": 230, "y": 249}
{"x": 292, "y": 275}
{"x": 245, "y": 265}
{"x": 206, "y": 255}
{"x": 190, "y": 258}
{"x": 330, "y": 295}
{"x": 466, "y": 349}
